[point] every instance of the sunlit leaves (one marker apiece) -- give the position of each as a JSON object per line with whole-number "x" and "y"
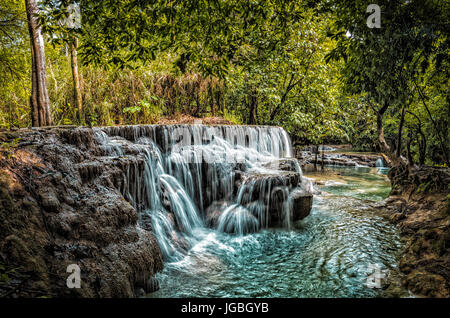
{"x": 211, "y": 33}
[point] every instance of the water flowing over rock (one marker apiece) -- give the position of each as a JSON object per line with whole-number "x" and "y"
{"x": 380, "y": 163}
{"x": 237, "y": 179}
{"x": 119, "y": 200}
{"x": 331, "y": 158}
{"x": 60, "y": 205}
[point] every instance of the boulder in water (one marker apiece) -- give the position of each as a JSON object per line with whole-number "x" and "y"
{"x": 301, "y": 204}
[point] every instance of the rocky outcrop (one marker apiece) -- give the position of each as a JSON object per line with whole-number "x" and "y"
{"x": 61, "y": 204}
{"x": 302, "y": 204}
{"x": 269, "y": 195}
{"x": 214, "y": 211}
{"x": 276, "y": 189}
{"x": 340, "y": 159}
{"x": 419, "y": 204}
{"x": 81, "y": 196}
{"x": 284, "y": 164}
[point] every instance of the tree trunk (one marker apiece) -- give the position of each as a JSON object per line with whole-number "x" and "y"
{"x": 253, "y": 105}
{"x": 316, "y": 151}
{"x": 322, "y": 166}
{"x": 408, "y": 151}
{"x": 218, "y": 99}
{"x": 39, "y": 100}
{"x": 380, "y": 131}
{"x": 76, "y": 81}
{"x": 197, "y": 103}
{"x": 438, "y": 134}
{"x": 396, "y": 160}
{"x": 33, "y": 96}
{"x": 224, "y": 87}
{"x": 421, "y": 139}
{"x": 400, "y": 130}
{"x": 212, "y": 101}
{"x": 422, "y": 149}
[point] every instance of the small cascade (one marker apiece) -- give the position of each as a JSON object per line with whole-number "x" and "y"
{"x": 379, "y": 163}
{"x": 180, "y": 178}
{"x": 237, "y": 219}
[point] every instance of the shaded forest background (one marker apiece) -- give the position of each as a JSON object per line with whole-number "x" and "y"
{"x": 314, "y": 68}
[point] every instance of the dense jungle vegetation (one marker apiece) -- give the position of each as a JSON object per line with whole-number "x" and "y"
{"x": 312, "y": 67}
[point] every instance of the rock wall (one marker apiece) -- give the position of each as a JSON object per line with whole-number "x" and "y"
{"x": 60, "y": 205}
{"x": 420, "y": 205}
{"x": 308, "y": 157}
{"x": 65, "y": 199}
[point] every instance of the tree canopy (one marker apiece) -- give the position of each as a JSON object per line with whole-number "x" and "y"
{"x": 314, "y": 67}
{"x": 392, "y": 65}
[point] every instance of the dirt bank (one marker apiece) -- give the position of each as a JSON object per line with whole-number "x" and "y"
{"x": 420, "y": 205}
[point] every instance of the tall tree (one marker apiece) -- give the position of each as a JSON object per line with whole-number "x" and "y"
{"x": 39, "y": 100}
{"x": 76, "y": 79}
{"x": 386, "y": 63}
{"x": 14, "y": 63}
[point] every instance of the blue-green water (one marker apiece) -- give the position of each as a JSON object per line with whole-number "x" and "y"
{"x": 328, "y": 254}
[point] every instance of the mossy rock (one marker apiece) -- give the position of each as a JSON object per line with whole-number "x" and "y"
{"x": 9, "y": 135}
{"x": 438, "y": 246}
{"x": 426, "y": 284}
{"x": 447, "y": 210}
{"x": 417, "y": 246}
{"x": 425, "y": 187}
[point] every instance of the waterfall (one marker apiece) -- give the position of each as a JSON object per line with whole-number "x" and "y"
{"x": 379, "y": 163}
{"x": 186, "y": 177}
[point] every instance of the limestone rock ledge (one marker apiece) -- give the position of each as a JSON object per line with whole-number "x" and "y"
{"x": 263, "y": 195}
{"x": 60, "y": 205}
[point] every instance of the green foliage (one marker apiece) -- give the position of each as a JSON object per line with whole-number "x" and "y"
{"x": 149, "y": 109}
{"x": 208, "y": 34}
{"x": 232, "y": 117}
{"x": 293, "y": 87}
{"x": 5, "y": 273}
{"x": 8, "y": 147}
{"x": 402, "y": 65}
{"x": 314, "y": 68}
{"x": 425, "y": 187}
{"x": 15, "y": 63}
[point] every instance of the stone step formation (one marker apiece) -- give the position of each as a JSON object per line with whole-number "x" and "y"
{"x": 236, "y": 179}
{"x": 120, "y": 201}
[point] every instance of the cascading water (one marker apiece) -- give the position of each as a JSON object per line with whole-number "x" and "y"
{"x": 186, "y": 176}
{"x": 193, "y": 184}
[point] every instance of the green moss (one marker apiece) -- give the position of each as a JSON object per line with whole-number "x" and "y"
{"x": 417, "y": 246}
{"x": 8, "y": 210}
{"x": 427, "y": 284}
{"x": 447, "y": 210}
{"x": 438, "y": 246}
{"x": 4, "y": 274}
{"x": 425, "y": 187}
